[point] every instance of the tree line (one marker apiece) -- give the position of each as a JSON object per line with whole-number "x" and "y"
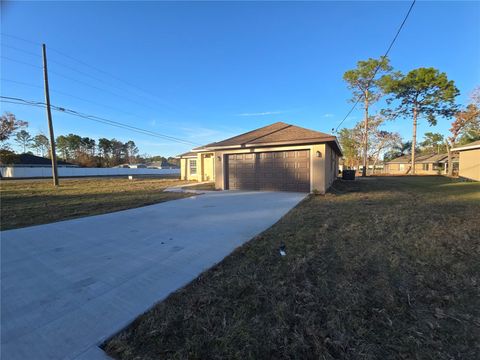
{"x": 73, "y": 148}
{"x": 421, "y": 94}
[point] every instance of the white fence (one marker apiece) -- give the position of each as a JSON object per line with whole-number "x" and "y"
{"x": 40, "y": 172}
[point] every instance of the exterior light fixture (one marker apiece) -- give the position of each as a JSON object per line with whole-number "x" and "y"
{"x": 219, "y": 158}
{"x": 319, "y": 154}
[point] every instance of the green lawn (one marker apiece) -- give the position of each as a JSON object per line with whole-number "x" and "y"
{"x": 382, "y": 268}
{"x": 33, "y": 202}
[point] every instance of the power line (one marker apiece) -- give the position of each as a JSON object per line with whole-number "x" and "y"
{"x": 85, "y": 64}
{"x": 22, "y": 39}
{"x": 68, "y": 67}
{"x": 21, "y": 62}
{"x": 71, "y": 96}
{"x": 21, "y": 50}
{"x": 81, "y": 82}
{"x": 21, "y": 83}
{"x": 381, "y": 59}
{"x": 133, "y": 89}
{"x": 20, "y": 101}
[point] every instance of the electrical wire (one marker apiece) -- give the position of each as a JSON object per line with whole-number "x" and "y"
{"x": 20, "y": 101}
{"x": 81, "y": 82}
{"x": 84, "y": 64}
{"x": 71, "y": 96}
{"x": 381, "y": 60}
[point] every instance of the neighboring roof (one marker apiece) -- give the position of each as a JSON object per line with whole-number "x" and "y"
{"x": 187, "y": 154}
{"x": 430, "y": 158}
{"x": 455, "y": 158}
{"x": 405, "y": 159}
{"x": 471, "y": 146}
{"x": 278, "y": 133}
{"x": 161, "y": 164}
{"x": 423, "y": 159}
{"x": 30, "y": 159}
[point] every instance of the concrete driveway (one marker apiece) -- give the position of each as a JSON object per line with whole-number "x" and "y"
{"x": 68, "y": 286}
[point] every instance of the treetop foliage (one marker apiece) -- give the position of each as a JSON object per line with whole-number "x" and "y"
{"x": 427, "y": 91}
{"x": 366, "y": 78}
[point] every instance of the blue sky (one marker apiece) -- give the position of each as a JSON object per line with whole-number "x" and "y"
{"x": 206, "y": 71}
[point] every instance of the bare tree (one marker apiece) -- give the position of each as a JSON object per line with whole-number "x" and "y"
{"x": 8, "y": 125}
{"x": 463, "y": 120}
{"x": 364, "y": 82}
{"x": 24, "y": 139}
{"x": 41, "y": 144}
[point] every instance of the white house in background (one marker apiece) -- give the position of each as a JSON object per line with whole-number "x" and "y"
{"x": 131, "y": 166}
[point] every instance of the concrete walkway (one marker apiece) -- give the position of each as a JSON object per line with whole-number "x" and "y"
{"x": 68, "y": 286}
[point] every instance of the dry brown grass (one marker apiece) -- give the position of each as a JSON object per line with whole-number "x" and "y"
{"x": 205, "y": 186}
{"x": 33, "y": 202}
{"x": 380, "y": 269}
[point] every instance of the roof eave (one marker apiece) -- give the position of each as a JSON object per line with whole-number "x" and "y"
{"x": 293, "y": 142}
{"x": 213, "y": 148}
{"x": 275, "y": 143}
{"x": 463, "y": 148}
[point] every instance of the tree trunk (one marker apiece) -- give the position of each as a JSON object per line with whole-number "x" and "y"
{"x": 375, "y": 163}
{"x": 449, "y": 161}
{"x": 414, "y": 139}
{"x": 365, "y": 141}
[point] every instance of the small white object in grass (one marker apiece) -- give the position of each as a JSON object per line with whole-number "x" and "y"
{"x": 283, "y": 253}
{"x": 130, "y": 177}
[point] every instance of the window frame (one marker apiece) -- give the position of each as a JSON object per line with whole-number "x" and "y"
{"x": 192, "y": 166}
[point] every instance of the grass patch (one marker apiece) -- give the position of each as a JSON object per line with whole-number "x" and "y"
{"x": 33, "y": 202}
{"x": 386, "y": 268}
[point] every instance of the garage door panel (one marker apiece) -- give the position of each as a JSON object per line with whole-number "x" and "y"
{"x": 280, "y": 171}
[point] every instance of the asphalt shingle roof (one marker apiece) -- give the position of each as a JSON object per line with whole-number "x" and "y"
{"x": 30, "y": 159}
{"x": 277, "y": 133}
{"x": 188, "y": 154}
{"x": 423, "y": 159}
{"x": 474, "y": 144}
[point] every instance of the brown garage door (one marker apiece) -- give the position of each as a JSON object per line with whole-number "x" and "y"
{"x": 279, "y": 171}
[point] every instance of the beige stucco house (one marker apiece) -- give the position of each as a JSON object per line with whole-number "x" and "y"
{"x": 432, "y": 164}
{"x": 279, "y": 157}
{"x": 469, "y": 162}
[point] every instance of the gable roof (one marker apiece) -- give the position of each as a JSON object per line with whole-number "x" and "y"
{"x": 187, "y": 154}
{"x": 278, "y": 133}
{"x": 423, "y": 159}
{"x": 400, "y": 160}
{"x": 470, "y": 146}
{"x": 30, "y": 159}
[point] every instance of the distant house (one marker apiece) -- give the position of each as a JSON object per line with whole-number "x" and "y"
{"x": 379, "y": 166}
{"x": 469, "y": 167}
{"x": 431, "y": 164}
{"x": 132, "y": 166}
{"x": 161, "y": 165}
{"x": 30, "y": 160}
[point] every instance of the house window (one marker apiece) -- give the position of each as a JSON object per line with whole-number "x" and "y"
{"x": 425, "y": 167}
{"x": 193, "y": 167}
{"x": 436, "y": 166}
{"x": 401, "y": 167}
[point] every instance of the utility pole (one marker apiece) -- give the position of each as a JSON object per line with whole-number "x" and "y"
{"x": 53, "y": 154}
